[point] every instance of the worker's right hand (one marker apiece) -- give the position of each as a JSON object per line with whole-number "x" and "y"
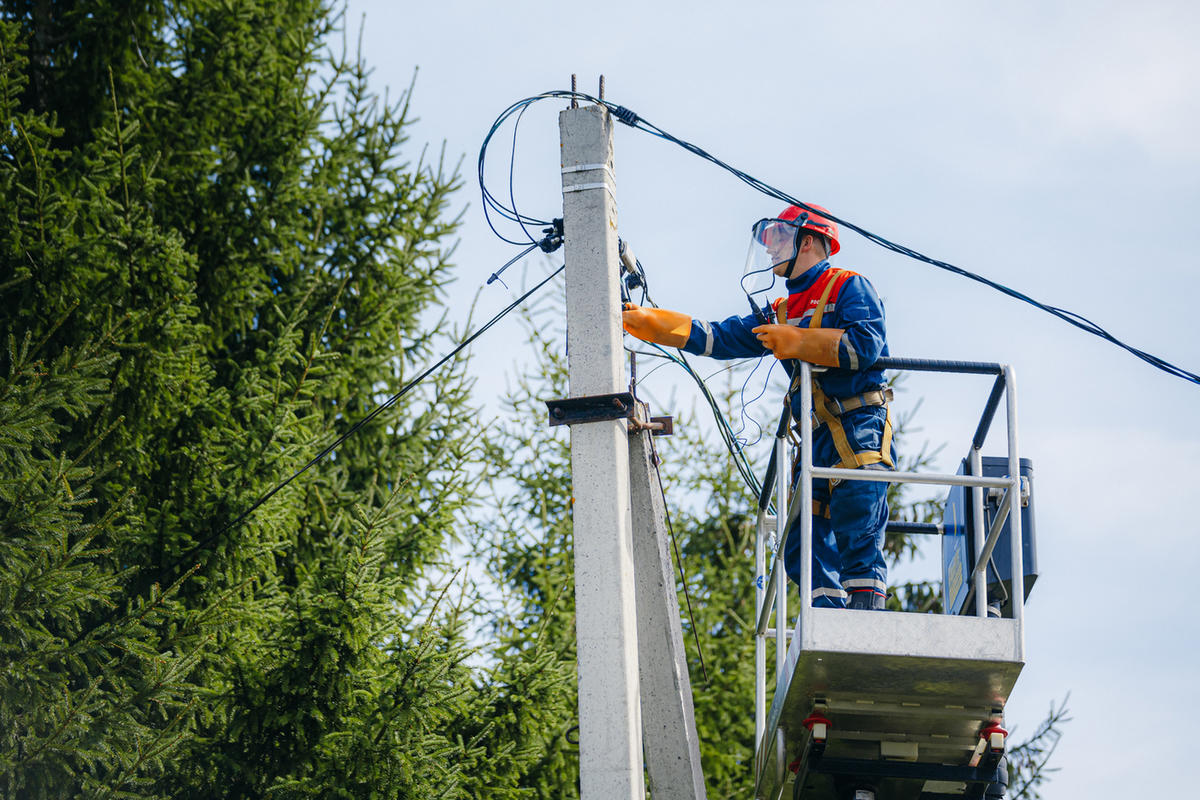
{"x": 658, "y": 325}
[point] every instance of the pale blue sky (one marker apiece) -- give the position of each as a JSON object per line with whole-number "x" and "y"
{"x": 1052, "y": 146}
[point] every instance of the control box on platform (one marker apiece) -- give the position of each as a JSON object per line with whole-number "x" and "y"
{"x": 958, "y": 553}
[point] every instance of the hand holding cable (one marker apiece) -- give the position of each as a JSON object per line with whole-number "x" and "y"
{"x": 814, "y": 345}
{"x": 656, "y": 325}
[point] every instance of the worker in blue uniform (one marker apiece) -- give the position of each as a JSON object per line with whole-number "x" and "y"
{"x": 831, "y": 318}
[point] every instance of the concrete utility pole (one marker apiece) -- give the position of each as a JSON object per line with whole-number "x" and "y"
{"x": 670, "y": 741}
{"x": 606, "y": 628}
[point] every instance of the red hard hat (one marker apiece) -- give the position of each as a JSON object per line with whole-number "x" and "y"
{"x": 816, "y": 223}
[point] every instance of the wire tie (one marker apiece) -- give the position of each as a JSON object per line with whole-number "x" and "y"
{"x": 586, "y": 168}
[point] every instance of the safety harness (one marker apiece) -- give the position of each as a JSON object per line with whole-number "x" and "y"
{"x": 821, "y": 297}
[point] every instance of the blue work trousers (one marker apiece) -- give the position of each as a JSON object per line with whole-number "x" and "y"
{"x": 847, "y": 552}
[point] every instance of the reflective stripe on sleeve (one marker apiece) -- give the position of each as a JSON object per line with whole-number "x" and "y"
{"x": 851, "y": 353}
{"x": 708, "y": 337}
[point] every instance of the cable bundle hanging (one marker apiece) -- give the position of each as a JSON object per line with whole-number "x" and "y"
{"x": 740, "y": 460}
{"x": 491, "y": 205}
{"x": 637, "y": 276}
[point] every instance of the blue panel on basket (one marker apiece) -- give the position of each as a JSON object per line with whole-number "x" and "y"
{"x": 958, "y": 551}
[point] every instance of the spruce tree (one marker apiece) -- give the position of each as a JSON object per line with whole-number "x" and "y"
{"x": 94, "y": 685}
{"x": 86, "y": 709}
{"x": 225, "y": 245}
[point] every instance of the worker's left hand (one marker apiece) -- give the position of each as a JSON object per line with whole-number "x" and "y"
{"x": 814, "y": 345}
{"x": 658, "y": 325}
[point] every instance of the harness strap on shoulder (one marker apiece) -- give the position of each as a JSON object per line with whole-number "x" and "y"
{"x": 834, "y": 279}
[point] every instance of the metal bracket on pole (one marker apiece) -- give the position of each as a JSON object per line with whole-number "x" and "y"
{"x": 601, "y": 407}
{"x": 593, "y": 408}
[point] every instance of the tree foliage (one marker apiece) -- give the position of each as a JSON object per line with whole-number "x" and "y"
{"x": 215, "y": 255}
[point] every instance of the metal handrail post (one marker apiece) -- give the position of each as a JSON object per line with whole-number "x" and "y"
{"x": 761, "y": 589}
{"x": 1003, "y": 509}
{"x": 806, "y": 466}
{"x": 760, "y": 641}
{"x": 976, "y": 465}
{"x": 1014, "y": 471}
{"x": 783, "y": 476}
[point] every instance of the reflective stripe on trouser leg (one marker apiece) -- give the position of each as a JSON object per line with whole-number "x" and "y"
{"x": 826, "y": 589}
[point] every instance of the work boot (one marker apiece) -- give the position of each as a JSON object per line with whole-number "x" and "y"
{"x": 867, "y": 600}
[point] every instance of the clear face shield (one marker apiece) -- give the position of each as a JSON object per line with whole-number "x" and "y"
{"x": 772, "y": 245}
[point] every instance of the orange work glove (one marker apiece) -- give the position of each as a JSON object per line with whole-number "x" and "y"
{"x": 658, "y": 325}
{"x": 814, "y": 345}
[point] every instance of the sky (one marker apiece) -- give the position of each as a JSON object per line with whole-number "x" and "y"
{"x": 1050, "y": 146}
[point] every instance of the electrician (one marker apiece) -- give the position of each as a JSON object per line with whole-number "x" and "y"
{"x": 831, "y": 318}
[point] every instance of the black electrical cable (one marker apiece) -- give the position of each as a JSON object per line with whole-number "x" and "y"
{"x": 635, "y": 121}
{"x": 491, "y": 205}
{"x": 732, "y": 443}
{"x": 495, "y": 276}
{"x": 740, "y": 460}
{"x": 747, "y": 403}
{"x": 391, "y": 401}
{"x": 728, "y": 435}
{"x": 512, "y": 166}
{"x": 1070, "y": 317}
{"x": 739, "y": 363}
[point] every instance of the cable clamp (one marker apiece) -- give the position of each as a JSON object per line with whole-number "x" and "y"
{"x": 554, "y": 236}
{"x": 626, "y": 115}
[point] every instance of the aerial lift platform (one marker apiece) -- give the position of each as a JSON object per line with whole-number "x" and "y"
{"x": 871, "y": 704}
